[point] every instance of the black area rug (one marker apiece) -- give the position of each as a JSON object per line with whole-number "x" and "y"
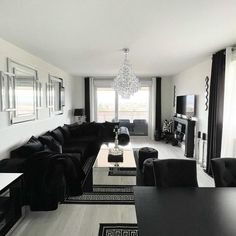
{"x": 118, "y": 230}
{"x": 122, "y": 172}
{"x": 105, "y": 194}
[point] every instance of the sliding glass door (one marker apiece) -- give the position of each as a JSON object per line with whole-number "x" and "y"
{"x": 133, "y": 113}
{"x": 105, "y": 104}
{"x": 136, "y": 107}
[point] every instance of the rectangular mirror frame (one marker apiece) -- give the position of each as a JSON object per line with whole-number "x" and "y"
{"x": 13, "y": 67}
{"x": 3, "y": 87}
{"x": 51, "y": 99}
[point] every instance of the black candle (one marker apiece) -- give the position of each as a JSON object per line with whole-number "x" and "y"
{"x": 199, "y": 134}
{"x": 203, "y": 136}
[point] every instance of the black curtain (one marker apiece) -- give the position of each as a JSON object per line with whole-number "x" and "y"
{"x": 87, "y": 98}
{"x": 216, "y": 103}
{"x": 158, "y": 127}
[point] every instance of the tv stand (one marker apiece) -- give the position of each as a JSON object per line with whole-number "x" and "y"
{"x": 186, "y": 127}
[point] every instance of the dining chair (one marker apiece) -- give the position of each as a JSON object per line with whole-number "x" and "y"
{"x": 175, "y": 173}
{"x": 224, "y": 172}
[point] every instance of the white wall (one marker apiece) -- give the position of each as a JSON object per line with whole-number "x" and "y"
{"x": 192, "y": 81}
{"x": 13, "y": 135}
{"x": 78, "y": 92}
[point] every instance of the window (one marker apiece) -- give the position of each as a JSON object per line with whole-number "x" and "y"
{"x": 136, "y": 107}
{"x": 133, "y": 113}
{"x": 105, "y": 104}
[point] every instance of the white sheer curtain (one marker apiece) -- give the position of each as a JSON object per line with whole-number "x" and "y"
{"x": 229, "y": 122}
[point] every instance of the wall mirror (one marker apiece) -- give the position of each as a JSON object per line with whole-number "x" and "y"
{"x": 55, "y": 95}
{"x": 39, "y": 90}
{"x": 22, "y": 89}
{"x": 3, "y": 87}
{"x": 6, "y": 91}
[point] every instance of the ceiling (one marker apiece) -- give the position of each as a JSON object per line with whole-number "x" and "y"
{"x": 85, "y": 37}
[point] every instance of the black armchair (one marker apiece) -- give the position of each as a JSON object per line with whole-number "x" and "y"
{"x": 224, "y": 172}
{"x": 175, "y": 173}
{"x": 140, "y": 127}
{"x": 125, "y": 123}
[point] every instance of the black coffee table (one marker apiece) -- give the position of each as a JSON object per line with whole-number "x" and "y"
{"x": 186, "y": 211}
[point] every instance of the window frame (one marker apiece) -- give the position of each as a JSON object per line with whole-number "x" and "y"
{"x": 107, "y": 83}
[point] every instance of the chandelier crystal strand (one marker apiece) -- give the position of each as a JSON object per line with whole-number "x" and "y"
{"x": 126, "y": 83}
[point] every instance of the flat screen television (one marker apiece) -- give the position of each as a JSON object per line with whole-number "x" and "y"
{"x": 185, "y": 105}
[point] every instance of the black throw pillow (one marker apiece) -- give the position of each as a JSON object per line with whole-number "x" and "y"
{"x": 28, "y": 149}
{"x": 77, "y": 130}
{"x": 91, "y": 129}
{"x": 66, "y": 132}
{"x": 51, "y": 143}
{"x": 58, "y": 135}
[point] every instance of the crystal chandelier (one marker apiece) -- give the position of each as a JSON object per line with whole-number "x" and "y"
{"x": 126, "y": 83}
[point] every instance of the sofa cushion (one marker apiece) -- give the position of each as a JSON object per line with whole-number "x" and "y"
{"x": 108, "y": 131}
{"x": 91, "y": 129}
{"x": 16, "y": 165}
{"x": 78, "y": 157}
{"x": 66, "y": 132}
{"x": 85, "y": 129}
{"x": 50, "y": 142}
{"x": 58, "y": 135}
{"x": 76, "y": 130}
{"x": 82, "y": 148}
{"x": 28, "y": 149}
{"x": 78, "y": 140}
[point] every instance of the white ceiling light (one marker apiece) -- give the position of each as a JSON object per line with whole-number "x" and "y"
{"x": 126, "y": 83}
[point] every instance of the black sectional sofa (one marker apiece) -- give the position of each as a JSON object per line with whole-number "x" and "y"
{"x": 59, "y": 163}
{"x": 138, "y": 127}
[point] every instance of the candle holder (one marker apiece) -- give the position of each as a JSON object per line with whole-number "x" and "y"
{"x": 115, "y": 153}
{"x": 203, "y": 165}
{"x": 198, "y": 147}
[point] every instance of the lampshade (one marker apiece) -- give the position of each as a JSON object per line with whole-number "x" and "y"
{"x": 79, "y": 112}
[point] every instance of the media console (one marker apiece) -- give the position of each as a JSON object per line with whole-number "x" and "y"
{"x": 186, "y": 128}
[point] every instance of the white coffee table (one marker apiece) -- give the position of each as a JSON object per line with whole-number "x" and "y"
{"x": 128, "y": 157}
{"x": 102, "y": 167}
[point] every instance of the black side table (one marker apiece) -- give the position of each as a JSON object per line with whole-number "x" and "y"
{"x": 10, "y": 200}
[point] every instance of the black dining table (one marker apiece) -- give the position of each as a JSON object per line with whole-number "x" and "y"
{"x": 185, "y": 211}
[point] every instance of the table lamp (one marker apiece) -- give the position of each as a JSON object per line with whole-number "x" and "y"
{"x": 79, "y": 113}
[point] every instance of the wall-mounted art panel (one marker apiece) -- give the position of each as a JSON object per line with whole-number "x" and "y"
{"x": 39, "y": 91}
{"x": 55, "y": 95}
{"x": 3, "y": 87}
{"x": 22, "y": 92}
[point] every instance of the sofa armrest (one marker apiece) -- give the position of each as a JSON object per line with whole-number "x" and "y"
{"x": 16, "y": 165}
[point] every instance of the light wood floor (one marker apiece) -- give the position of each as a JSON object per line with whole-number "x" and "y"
{"x": 83, "y": 220}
